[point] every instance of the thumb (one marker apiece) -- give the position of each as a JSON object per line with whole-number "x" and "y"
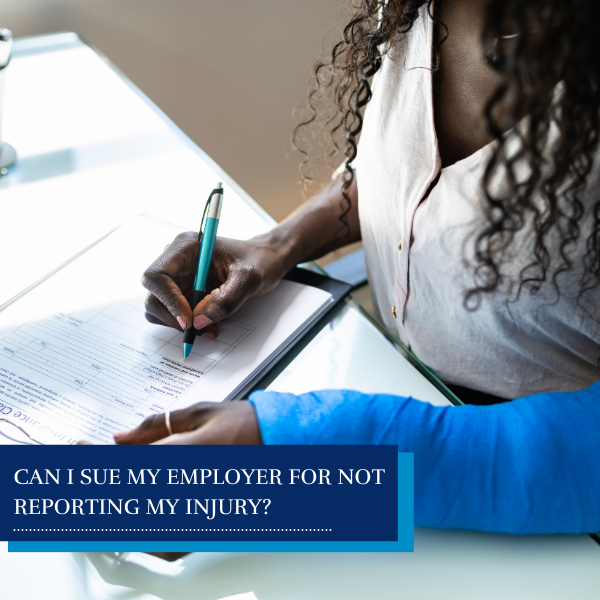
{"x": 240, "y": 285}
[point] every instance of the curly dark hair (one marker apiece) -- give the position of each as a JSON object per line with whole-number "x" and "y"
{"x": 557, "y": 133}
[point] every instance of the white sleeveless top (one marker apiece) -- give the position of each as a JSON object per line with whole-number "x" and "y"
{"x": 415, "y": 251}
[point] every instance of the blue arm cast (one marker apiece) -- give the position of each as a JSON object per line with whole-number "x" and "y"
{"x": 527, "y": 466}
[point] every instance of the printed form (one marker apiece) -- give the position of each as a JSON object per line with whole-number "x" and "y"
{"x": 78, "y": 360}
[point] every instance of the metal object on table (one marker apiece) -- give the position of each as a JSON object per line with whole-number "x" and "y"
{"x": 8, "y": 155}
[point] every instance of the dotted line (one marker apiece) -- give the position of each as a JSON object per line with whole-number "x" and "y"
{"x": 172, "y": 530}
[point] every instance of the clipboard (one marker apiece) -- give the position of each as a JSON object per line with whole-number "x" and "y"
{"x": 51, "y": 328}
{"x": 339, "y": 291}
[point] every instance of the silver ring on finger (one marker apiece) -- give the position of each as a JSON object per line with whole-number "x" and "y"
{"x": 168, "y": 422}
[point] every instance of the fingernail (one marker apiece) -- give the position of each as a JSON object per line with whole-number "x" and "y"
{"x": 119, "y": 435}
{"x": 209, "y": 335}
{"x": 201, "y": 321}
{"x": 182, "y": 322}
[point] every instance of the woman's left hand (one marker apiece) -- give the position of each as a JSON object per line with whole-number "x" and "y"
{"x": 202, "y": 423}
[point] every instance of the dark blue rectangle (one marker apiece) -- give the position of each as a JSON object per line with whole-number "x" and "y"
{"x": 364, "y": 510}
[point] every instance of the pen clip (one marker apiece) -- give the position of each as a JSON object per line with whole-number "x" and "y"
{"x": 218, "y": 190}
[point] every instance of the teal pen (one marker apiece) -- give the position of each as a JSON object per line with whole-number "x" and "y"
{"x": 207, "y": 238}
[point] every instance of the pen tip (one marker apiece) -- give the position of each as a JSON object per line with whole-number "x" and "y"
{"x": 184, "y": 357}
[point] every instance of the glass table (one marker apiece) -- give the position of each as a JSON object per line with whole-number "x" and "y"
{"x": 93, "y": 152}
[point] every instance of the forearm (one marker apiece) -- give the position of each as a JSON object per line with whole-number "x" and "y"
{"x": 316, "y": 228}
{"x": 528, "y": 466}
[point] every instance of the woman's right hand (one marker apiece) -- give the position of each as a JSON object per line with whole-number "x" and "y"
{"x": 239, "y": 270}
{"x": 242, "y": 269}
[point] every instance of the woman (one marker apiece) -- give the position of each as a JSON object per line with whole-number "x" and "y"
{"x": 475, "y": 192}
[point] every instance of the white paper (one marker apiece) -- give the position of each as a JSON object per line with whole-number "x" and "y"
{"x": 78, "y": 360}
{"x": 248, "y": 596}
